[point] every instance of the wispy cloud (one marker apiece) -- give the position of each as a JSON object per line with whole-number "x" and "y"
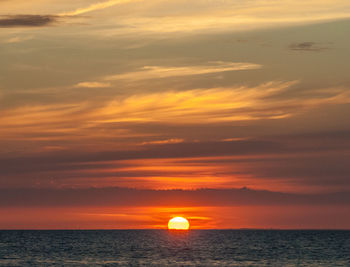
{"x": 92, "y": 85}
{"x": 162, "y": 142}
{"x": 159, "y": 17}
{"x": 198, "y": 106}
{"x": 155, "y": 72}
{"x": 17, "y": 39}
{"x": 190, "y": 107}
{"x": 299, "y": 163}
{"x": 226, "y": 19}
{"x": 94, "y": 7}
{"x": 168, "y": 198}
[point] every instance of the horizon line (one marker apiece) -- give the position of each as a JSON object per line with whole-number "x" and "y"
{"x": 165, "y": 229}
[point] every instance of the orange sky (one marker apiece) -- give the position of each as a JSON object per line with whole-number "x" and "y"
{"x": 256, "y": 217}
{"x": 108, "y": 106}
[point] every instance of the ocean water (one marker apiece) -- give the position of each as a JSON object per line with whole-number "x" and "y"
{"x": 165, "y": 248}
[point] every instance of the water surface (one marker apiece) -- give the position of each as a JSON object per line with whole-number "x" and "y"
{"x": 164, "y": 248}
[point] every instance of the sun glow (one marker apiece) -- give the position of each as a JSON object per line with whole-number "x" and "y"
{"x": 178, "y": 223}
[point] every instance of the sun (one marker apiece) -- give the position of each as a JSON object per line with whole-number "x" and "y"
{"x": 178, "y": 223}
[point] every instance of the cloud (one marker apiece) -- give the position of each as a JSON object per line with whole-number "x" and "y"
{"x": 192, "y": 106}
{"x": 86, "y": 119}
{"x": 17, "y": 39}
{"x": 167, "y": 198}
{"x": 227, "y": 18}
{"x": 159, "y": 17}
{"x": 198, "y": 106}
{"x": 161, "y": 142}
{"x": 304, "y": 163}
{"x": 94, "y": 7}
{"x": 309, "y": 46}
{"x": 92, "y": 85}
{"x": 27, "y": 21}
{"x": 157, "y": 72}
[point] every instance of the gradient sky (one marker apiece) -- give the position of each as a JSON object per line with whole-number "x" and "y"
{"x": 124, "y": 113}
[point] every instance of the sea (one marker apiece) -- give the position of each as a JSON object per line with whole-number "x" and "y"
{"x": 175, "y": 248}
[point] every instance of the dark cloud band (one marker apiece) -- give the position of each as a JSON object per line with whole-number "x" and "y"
{"x": 27, "y": 21}
{"x": 143, "y": 197}
{"x": 309, "y": 46}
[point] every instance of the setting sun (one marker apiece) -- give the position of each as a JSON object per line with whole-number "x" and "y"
{"x": 178, "y": 223}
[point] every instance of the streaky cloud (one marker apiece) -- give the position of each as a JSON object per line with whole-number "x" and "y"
{"x": 94, "y": 7}
{"x": 92, "y": 85}
{"x": 27, "y": 21}
{"x": 156, "y": 72}
{"x": 309, "y": 46}
{"x": 116, "y": 196}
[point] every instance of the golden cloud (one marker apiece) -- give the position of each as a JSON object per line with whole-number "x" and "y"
{"x": 154, "y": 72}
{"x": 92, "y": 85}
{"x": 197, "y": 106}
{"x": 94, "y": 7}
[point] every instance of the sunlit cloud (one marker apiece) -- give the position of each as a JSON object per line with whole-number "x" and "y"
{"x": 17, "y": 39}
{"x": 92, "y": 85}
{"x": 211, "y": 24}
{"x": 199, "y": 105}
{"x": 153, "y": 72}
{"x": 223, "y": 16}
{"x": 97, "y": 6}
{"x": 168, "y": 98}
{"x": 162, "y": 16}
{"x": 192, "y": 107}
{"x": 161, "y": 142}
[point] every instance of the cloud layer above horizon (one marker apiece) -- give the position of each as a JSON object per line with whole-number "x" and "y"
{"x": 160, "y": 95}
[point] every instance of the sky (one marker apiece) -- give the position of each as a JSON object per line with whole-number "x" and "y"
{"x": 122, "y": 114}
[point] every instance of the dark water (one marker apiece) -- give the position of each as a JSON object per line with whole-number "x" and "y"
{"x": 163, "y": 248}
